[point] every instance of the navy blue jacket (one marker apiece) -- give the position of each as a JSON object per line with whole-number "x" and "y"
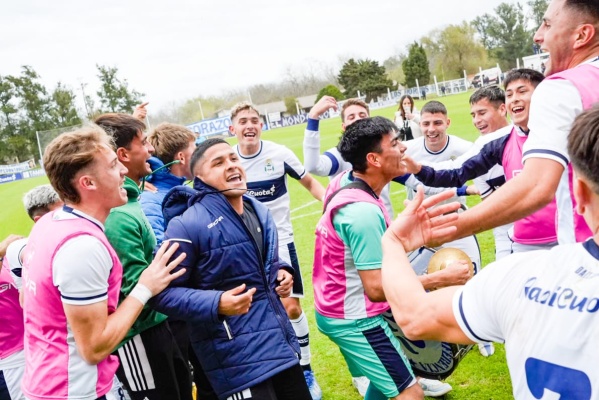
{"x": 236, "y": 352}
{"x": 151, "y": 203}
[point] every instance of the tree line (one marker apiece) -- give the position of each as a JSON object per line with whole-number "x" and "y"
{"x": 500, "y": 37}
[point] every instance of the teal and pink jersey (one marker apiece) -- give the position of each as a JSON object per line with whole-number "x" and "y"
{"x": 348, "y": 239}
{"x": 11, "y": 330}
{"x": 68, "y": 260}
{"x": 538, "y": 227}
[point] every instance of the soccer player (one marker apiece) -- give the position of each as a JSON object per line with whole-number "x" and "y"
{"x": 72, "y": 275}
{"x": 230, "y": 292}
{"x": 151, "y": 363}
{"x": 536, "y": 231}
{"x": 570, "y": 33}
{"x": 541, "y": 304}
{"x": 348, "y": 295}
{"x": 330, "y": 163}
{"x": 267, "y": 165}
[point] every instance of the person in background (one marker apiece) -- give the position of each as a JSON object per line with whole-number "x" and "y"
{"x": 407, "y": 118}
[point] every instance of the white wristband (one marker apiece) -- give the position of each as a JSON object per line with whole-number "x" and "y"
{"x": 141, "y": 293}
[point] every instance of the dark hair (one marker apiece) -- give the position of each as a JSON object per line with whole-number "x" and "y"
{"x": 434, "y": 107}
{"x": 525, "y": 74}
{"x": 583, "y": 145}
{"x": 401, "y": 110}
{"x": 493, "y": 93}
{"x": 199, "y": 152}
{"x": 122, "y": 127}
{"x": 363, "y": 137}
{"x": 588, "y": 8}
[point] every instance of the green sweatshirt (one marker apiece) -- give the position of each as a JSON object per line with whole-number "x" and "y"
{"x": 131, "y": 235}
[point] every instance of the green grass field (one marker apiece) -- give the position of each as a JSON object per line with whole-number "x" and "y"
{"x": 475, "y": 378}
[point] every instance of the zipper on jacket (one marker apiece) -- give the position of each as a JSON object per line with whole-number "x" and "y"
{"x": 228, "y": 330}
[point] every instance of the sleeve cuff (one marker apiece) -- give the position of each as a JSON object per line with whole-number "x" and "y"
{"x": 312, "y": 124}
{"x": 461, "y": 191}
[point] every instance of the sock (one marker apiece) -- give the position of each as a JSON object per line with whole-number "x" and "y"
{"x": 300, "y": 326}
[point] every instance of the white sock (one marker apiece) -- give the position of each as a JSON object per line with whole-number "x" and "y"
{"x": 300, "y": 326}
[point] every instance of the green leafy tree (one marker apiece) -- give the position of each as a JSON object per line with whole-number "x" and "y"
{"x": 114, "y": 93}
{"x": 8, "y": 116}
{"x": 290, "y": 105}
{"x": 505, "y": 34}
{"x": 366, "y": 76}
{"x": 537, "y": 10}
{"x": 394, "y": 69}
{"x": 63, "y": 110}
{"x": 330, "y": 90}
{"x": 415, "y": 66}
{"x": 454, "y": 49}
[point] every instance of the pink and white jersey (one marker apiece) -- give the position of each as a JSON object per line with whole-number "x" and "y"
{"x": 555, "y": 104}
{"x": 539, "y": 227}
{"x": 11, "y": 329}
{"x": 338, "y": 289}
{"x": 68, "y": 260}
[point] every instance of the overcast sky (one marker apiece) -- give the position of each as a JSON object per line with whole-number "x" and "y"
{"x": 174, "y": 50}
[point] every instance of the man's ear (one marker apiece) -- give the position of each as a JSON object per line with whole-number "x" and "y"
{"x": 232, "y": 130}
{"x": 122, "y": 154}
{"x": 582, "y": 194}
{"x": 373, "y": 158}
{"x": 502, "y": 109}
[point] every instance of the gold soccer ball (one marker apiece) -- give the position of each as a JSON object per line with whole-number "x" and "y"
{"x": 445, "y": 256}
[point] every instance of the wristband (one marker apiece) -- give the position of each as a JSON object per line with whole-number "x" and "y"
{"x": 141, "y": 293}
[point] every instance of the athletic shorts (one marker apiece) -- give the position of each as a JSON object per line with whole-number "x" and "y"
{"x": 288, "y": 254}
{"x": 370, "y": 349}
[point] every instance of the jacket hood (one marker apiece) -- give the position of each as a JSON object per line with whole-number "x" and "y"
{"x": 181, "y": 197}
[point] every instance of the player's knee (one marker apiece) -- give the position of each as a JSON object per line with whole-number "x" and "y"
{"x": 293, "y": 308}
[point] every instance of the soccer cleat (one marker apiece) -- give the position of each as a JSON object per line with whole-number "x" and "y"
{"x": 315, "y": 390}
{"x": 361, "y": 384}
{"x": 486, "y": 349}
{"x": 433, "y": 388}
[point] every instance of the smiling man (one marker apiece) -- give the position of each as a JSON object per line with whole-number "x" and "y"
{"x": 267, "y": 165}
{"x": 152, "y": 366}
{"x": 230, "y": 294}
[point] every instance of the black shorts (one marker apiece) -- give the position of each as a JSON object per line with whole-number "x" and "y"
{"x": 289, "y": 384}
{"x": 288, "y": 254}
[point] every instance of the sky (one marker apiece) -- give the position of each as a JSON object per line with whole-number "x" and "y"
{"x": 179, "y": 49}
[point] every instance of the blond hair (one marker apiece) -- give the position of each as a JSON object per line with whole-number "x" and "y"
{"x": 353, "y": 102}
{"x": 70, "y": 153}
{"x": 242, "y": 106}
{"x": 169, "y": 139}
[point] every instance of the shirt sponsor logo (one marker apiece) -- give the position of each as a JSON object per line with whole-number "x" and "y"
{"x": 562, "y": 298}
{"x": 262, "y": 192}
{"x": 269, "y": 168}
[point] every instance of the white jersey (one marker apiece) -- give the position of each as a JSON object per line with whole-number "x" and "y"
{"x": 266, "y": 173}
{"x": 331, "y": 163}
{"x": 417, "y": 149}
{"x": 554, "y": 106}
{"x": 544, "y": 306}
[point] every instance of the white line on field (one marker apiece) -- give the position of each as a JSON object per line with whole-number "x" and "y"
{"x": 306, "y": 215}
{"x": 304, "y": 206}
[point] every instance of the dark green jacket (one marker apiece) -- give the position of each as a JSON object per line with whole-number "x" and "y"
{"x": 131, "y": 235}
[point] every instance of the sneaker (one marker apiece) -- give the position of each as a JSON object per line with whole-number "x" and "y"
{"x": 486, "y": 349}
{"x": 433, "y": 388}
{"x": 315, "y": 390}
{"x": 361, "y": 384}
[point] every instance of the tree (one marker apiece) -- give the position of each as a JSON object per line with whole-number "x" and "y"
{"x": 114, "y": 94}
{"x": 537, "y": 10}
{"x": 291, "y": 105}
{"x": 365, "y": 76}
{"x": 394, "y": 69}
{"x": 330, "y": 90}
{"x": 63, "y": 111}
{"x": 453, "y": 50}
{"x": 415, "y": 66}
{"x": 505, "y": 34}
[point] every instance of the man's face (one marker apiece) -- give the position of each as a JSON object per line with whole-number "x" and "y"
{"x": 247, "y": 126}
{"x": 557, "y": 35}
{"x": 135, "y": 158}
{"x": 352, "y": 114}
{"x": 486, "y": 117}
{"x": 434, "y": 128}
{"x": 517, "y": 101}
{"x": 221, "y": 168}
{"x": 391, "y": 156}
{"x": 108, "y": 175}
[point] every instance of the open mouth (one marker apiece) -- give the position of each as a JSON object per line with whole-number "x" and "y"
{"x": 249, "y": 135}
{"x": 517, "y": 110}
{"x": 234, "y": 178}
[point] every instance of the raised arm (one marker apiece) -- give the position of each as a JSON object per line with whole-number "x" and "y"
{"x": 314, "y": 162}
